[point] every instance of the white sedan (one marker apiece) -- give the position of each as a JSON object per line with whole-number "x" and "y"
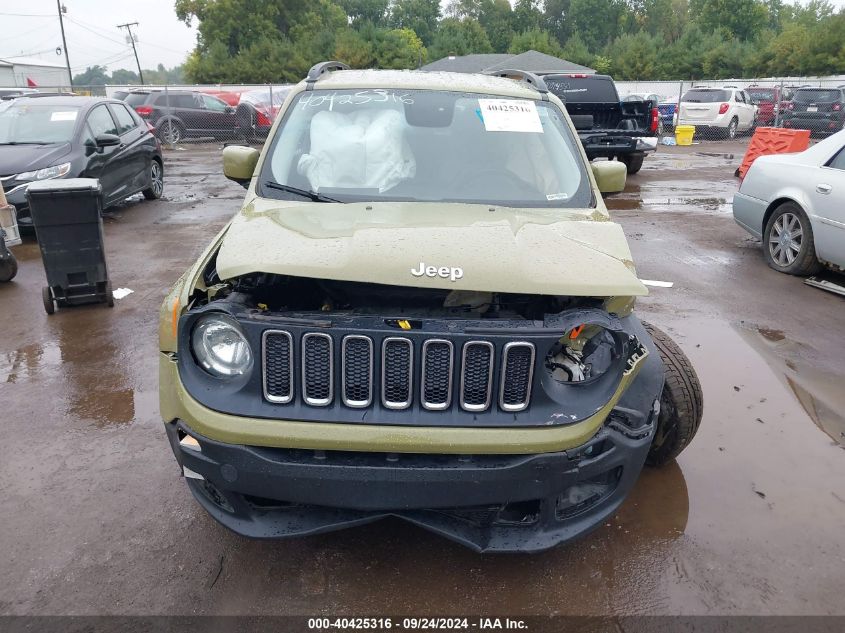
{"x": 795, "y": 203}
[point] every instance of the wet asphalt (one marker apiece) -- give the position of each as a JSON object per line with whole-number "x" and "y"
{"x": 95, "y": 518}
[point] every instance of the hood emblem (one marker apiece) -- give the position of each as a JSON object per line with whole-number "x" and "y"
{"x": 446, "y": 272}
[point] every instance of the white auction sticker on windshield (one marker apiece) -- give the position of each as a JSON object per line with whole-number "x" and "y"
{"x": 63, "y": 116}
{"x": 509, "y": 115}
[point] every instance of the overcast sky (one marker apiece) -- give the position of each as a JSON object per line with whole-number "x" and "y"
{"x": 31, "y": 28}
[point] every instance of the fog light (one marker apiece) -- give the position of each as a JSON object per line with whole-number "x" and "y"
{"x": 585, "y": 494}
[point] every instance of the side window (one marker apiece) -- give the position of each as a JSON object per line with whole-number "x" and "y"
{"x": 213, "y": 103}
{"x": 183, "y": 101}
{"x": 101, "y": 122}
{"x": 738, "y": 97}
{"x": 838, "y": 161}
{"x": 125, "y": 121}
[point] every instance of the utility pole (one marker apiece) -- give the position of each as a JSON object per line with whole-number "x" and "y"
{"x": 64, "y": 41}
{"x": 128, "y": 26}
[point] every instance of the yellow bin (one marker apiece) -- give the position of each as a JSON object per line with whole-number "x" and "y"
{"x": 684, "y": 134}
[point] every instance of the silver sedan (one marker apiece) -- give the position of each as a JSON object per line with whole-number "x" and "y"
{"x": 795, "y": 203}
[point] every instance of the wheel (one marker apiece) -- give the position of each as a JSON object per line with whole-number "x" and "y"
{"x": 681, "y": 402}
{"x": 170, "y": 132}
{"x": 731, "y": 131}
{"x": 156, "y": 187}
{"x": 660, "y": 127}
{"x": 8, "y": 267}
{"x": 246, "y": 118}
{"x": 788, "y": 241}
{"x": 47, "y": 298}
{"x": 109, "y": 295}
{"x": 633, "y": 162}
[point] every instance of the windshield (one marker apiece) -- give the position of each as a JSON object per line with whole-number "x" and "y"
{"x": 706, "y": 96}
{"x": 371, "y": 145}
{"x": 812, "y": 96}
{"x": 136, "y": 98}
{"x": 37, "y": 123}
{"x": 762, "y": 95}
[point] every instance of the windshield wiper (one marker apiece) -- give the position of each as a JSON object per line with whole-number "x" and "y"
{"x": 313, "y": 195}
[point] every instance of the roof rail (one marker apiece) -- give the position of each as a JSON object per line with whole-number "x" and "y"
{"x": 317, "y": 70}
{"x": 524, "y": 75}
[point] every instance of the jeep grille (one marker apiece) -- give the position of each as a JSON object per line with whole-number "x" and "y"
{"x": 443, "y": 371}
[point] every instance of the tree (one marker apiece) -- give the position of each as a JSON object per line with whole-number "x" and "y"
{"x": 459, "y": 37}
{"x": 497, "y": 19}
{"x": 420, "y": 16}
{"x": 596, "y": 21}
{"x": 123, "y": 76}
{"x": 535, "y": 39}
{"x": 93, "y": 76}
{"x": 372, "y": 11}
{"x": 527, "y": 16}
{"x": 576, "y": 51}
{"x": 635, "y": 56}
{"x": 743, "y": 19}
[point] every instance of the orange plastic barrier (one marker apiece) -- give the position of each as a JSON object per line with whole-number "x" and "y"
{"x": 773, "y": 140}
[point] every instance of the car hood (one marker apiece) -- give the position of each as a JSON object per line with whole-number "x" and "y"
{"x": 541, "y": 251}
{"x": 15, "y": 159}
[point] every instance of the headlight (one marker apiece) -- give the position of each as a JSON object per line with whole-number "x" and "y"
{"x": 57, "y": 171}
{"x": 583, "y": 353}
{"x": 220, "y": 346}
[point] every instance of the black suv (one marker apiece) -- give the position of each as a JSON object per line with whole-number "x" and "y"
{"x": 180, "y": 114}
{"x": 820, "y": 110}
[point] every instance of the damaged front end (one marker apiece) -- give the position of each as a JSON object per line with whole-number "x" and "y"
{"x": 506, "y": 421}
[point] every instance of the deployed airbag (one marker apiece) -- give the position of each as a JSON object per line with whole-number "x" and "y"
{"x": 361, "y": 150}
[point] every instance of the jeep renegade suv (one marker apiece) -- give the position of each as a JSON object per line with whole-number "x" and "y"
{"x": 423, "y": 310}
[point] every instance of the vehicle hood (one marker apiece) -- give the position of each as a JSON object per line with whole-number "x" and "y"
{"x": 15, "y": 159}
{"x": 541, "y": 251}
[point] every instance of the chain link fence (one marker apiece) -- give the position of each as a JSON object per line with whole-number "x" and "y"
{"x": 722, "y": 110}
{"x": 706, "y": 111}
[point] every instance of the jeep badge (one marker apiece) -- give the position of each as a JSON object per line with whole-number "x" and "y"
{"x": 433, "y": 271}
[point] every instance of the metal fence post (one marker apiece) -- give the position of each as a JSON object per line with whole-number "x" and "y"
{"x": 779, "y": 105}
{"x": 168, "y": 130}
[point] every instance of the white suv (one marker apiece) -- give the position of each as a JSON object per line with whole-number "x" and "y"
{"x": 725, "y": 111}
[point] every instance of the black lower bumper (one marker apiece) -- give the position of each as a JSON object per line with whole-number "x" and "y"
{"x": 502, "y": 503}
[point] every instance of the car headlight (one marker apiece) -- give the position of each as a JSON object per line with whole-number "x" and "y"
{"x": 57, "y": 171}
{"x": 220, "y": 346}
{"x": 582, "y": 354}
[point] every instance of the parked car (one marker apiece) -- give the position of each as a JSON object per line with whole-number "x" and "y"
{"x": 423, "y": 310}
{"x": 820, "y": 110}
{"x": 14, "y": 93}
{"x": 77, "y": 137}
{"x": 256, "y": 113}
{"x": 663, "y": 108}
{"x": 607, "y": 127}
{"x": 180, "y": 114}
{"x": 795, "y": 203}
{"x": 717, "y": 111}
{"x": 770, "y": 101}
{"x": 230, "y": 97}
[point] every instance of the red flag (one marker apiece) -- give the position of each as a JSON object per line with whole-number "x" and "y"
{"x": 30, "y": 83}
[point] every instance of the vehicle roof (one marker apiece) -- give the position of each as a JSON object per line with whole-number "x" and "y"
{"x": 65, "y": 100}
{"x": 426, "y": 80}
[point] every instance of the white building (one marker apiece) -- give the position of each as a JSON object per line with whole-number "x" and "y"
{"x": 15, "y": 71}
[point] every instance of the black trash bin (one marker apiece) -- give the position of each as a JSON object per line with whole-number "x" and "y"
{"x": 68, "y": 224}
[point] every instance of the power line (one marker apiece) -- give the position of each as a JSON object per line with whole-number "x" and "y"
{"x": 29, "y": 15}
{"x": 90, "y": 30}
{"x": 128, "y": 26}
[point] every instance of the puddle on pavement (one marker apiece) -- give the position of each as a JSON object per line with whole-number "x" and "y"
{"x": 820, "y": 393}
{"x": 672, "y": 195}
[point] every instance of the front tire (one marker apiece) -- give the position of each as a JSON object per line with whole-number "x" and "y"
{"x": 156, "y": 188}
{"x": 8, "y": 267}
{"x": 788, "y": 244}
{"x": 681, "y": 402}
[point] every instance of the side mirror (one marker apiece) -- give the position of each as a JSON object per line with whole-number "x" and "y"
{"x": 239, "y": 163}
{"x": 230, "y": 109}
{"x": 610, "y": 175}
{"x": 108, "y": 140}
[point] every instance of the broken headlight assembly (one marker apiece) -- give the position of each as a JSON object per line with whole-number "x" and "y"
{"x": 220, "y": 347}
{"x": 582, "y": 355}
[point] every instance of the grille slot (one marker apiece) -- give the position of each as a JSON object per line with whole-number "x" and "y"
{"x": 476, "y": 376}
{"x": 278, "y": 366}
{"x": 517, "y": 373}
{"x": 357, "y": 371}
{"x": 397, "y": 362}
{"x": 317, "y": 369}
{"x": 436, "y": 384}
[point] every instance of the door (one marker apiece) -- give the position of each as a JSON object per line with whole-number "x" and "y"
{"x": 219, "y": 117}
{"x": 828, "y": 197}
{"x": 741, "y": 108}
{"x": 100, "y": 121}
{"x": 131, "y": 161}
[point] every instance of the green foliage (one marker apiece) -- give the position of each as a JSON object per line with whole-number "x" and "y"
{"x": 278, "y": 40}
{"x": 537, "y": 40}
{"x": 459, "y": 37}
{"x": 99, "y": 76}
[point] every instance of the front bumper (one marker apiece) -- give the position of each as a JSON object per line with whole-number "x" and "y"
{"x": 490, "y": 503}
